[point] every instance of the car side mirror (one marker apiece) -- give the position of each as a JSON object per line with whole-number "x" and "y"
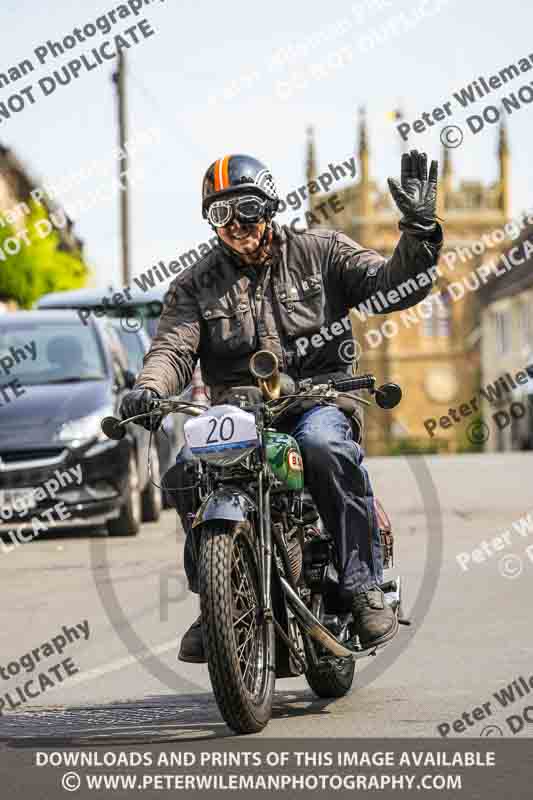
{"x": 388, "y": 395}
{"x": 129, "y": 378}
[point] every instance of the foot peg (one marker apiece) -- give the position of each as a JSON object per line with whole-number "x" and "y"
{"x": 393, "y": 596}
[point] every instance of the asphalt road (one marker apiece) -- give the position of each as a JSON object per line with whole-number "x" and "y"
{"x": 471, "y": 632}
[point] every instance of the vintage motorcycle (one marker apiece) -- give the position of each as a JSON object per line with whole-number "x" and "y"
{"x": 268, "y": 582}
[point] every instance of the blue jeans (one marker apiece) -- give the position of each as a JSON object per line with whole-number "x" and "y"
{"x": 340, "y": 487}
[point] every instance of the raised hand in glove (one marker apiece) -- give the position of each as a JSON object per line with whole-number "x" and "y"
{"x": 416, "y": 197}
{"x": 141, "y": 401}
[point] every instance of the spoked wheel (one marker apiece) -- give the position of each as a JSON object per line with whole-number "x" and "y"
{"x": 239, "y": 642}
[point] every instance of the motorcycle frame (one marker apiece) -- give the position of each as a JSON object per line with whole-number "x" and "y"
{"x": 311, "y": 629}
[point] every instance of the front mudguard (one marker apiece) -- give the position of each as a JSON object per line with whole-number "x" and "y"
{"x": 225, "y": 503}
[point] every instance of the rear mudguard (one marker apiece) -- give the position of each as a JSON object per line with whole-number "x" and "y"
{"x": 225, "y": 503}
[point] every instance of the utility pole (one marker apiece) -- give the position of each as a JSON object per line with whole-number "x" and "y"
{"x": 119, "y": 79}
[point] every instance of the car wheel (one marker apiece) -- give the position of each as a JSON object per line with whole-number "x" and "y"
{"x": 167, "y": 501}
{"x": 128, "y": 522}
{"x": 152, "y": 497}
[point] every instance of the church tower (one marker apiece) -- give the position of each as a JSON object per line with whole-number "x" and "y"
{"x": 431, "y": 350}
{"x": 310, "y": 163}
{"x": 445, "y": 182}
{"x": 364, "y": 169}
{"x": 364, "y": 195}
{"x": 503, "y": 157}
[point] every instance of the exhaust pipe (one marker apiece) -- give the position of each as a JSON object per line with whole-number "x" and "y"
{"x": 312, "y": 626}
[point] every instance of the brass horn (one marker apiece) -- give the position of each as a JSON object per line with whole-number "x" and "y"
{"x": 264, "y": 366}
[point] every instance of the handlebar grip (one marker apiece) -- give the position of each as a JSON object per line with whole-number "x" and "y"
{"x": 113, "y": 428}
{"x": 354, "y": 384}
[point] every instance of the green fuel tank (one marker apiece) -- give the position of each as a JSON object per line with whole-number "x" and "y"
{"x": 284, "y": 458}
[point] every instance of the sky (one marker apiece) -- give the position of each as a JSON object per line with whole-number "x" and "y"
{"x": 218, "y": 78}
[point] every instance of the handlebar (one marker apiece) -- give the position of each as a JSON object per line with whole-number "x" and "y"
{"x": 387, "y": 396}
{"x": 115, "y": 428}
{"x": 355, "y": 384}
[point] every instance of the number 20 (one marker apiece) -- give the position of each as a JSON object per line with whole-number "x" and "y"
{"x": 222, "y": 430}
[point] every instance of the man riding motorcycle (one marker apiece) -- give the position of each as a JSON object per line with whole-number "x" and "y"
{"x": 264, "y": 288}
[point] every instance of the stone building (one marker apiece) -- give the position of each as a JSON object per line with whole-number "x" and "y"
{"x": 507, "y": 352}
{"x": 432, "y": 351}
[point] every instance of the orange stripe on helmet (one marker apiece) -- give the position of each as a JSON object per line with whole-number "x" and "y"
{"x": 221, "y": 174}
{"x": 225, "y": 172}
{"x": 216, "y": 174}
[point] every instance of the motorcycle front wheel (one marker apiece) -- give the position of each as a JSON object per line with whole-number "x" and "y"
{"x": 239, "y": 642}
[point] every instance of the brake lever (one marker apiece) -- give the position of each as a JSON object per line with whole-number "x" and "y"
{"x": 354, "y": 397}
{"x": 115, "y": 428}
{"x": 169, "y": 405}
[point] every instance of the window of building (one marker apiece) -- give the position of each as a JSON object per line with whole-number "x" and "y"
{"x": 525, "y": 325}
{"x": 502, "y": 329}
{"x": 439, "y": 323}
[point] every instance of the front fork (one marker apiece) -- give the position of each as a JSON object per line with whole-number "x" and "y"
{"x": 265, "y": 542}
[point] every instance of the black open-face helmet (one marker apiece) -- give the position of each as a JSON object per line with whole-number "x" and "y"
{"x": 238, "y": 175}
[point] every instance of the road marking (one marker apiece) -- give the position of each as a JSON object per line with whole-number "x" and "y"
{"x": 113, "y": 666}
{"x": 120, "y": 663}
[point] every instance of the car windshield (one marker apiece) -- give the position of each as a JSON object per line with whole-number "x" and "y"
{"x": 132, "y": 343}
{"x": 37, "y": 353}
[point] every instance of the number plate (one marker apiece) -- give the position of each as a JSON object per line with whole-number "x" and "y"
{"x": 223, "y": 428}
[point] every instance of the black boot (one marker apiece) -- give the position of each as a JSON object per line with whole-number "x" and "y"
{"x": 374, "y": 620}
{"x": 192, "y": 645}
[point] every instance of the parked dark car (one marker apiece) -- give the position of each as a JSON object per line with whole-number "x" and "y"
{"x": 68, "y": 377}
{"x": 138, "y": 318}
{"x": 168, "y": 438}
{"x": 142, "y": 309}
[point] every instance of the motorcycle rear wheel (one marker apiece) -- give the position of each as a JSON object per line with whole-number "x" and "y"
{"x": 239, "y": 644}
{"x": 332, "y": 678}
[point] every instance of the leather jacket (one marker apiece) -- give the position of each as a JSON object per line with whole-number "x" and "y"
{"x": 222, "y": 311}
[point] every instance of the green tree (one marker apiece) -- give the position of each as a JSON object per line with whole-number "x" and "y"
{"x": 39, "y": 266}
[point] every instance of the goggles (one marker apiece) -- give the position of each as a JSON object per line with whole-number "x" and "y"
{"x": 247, "y": 209}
